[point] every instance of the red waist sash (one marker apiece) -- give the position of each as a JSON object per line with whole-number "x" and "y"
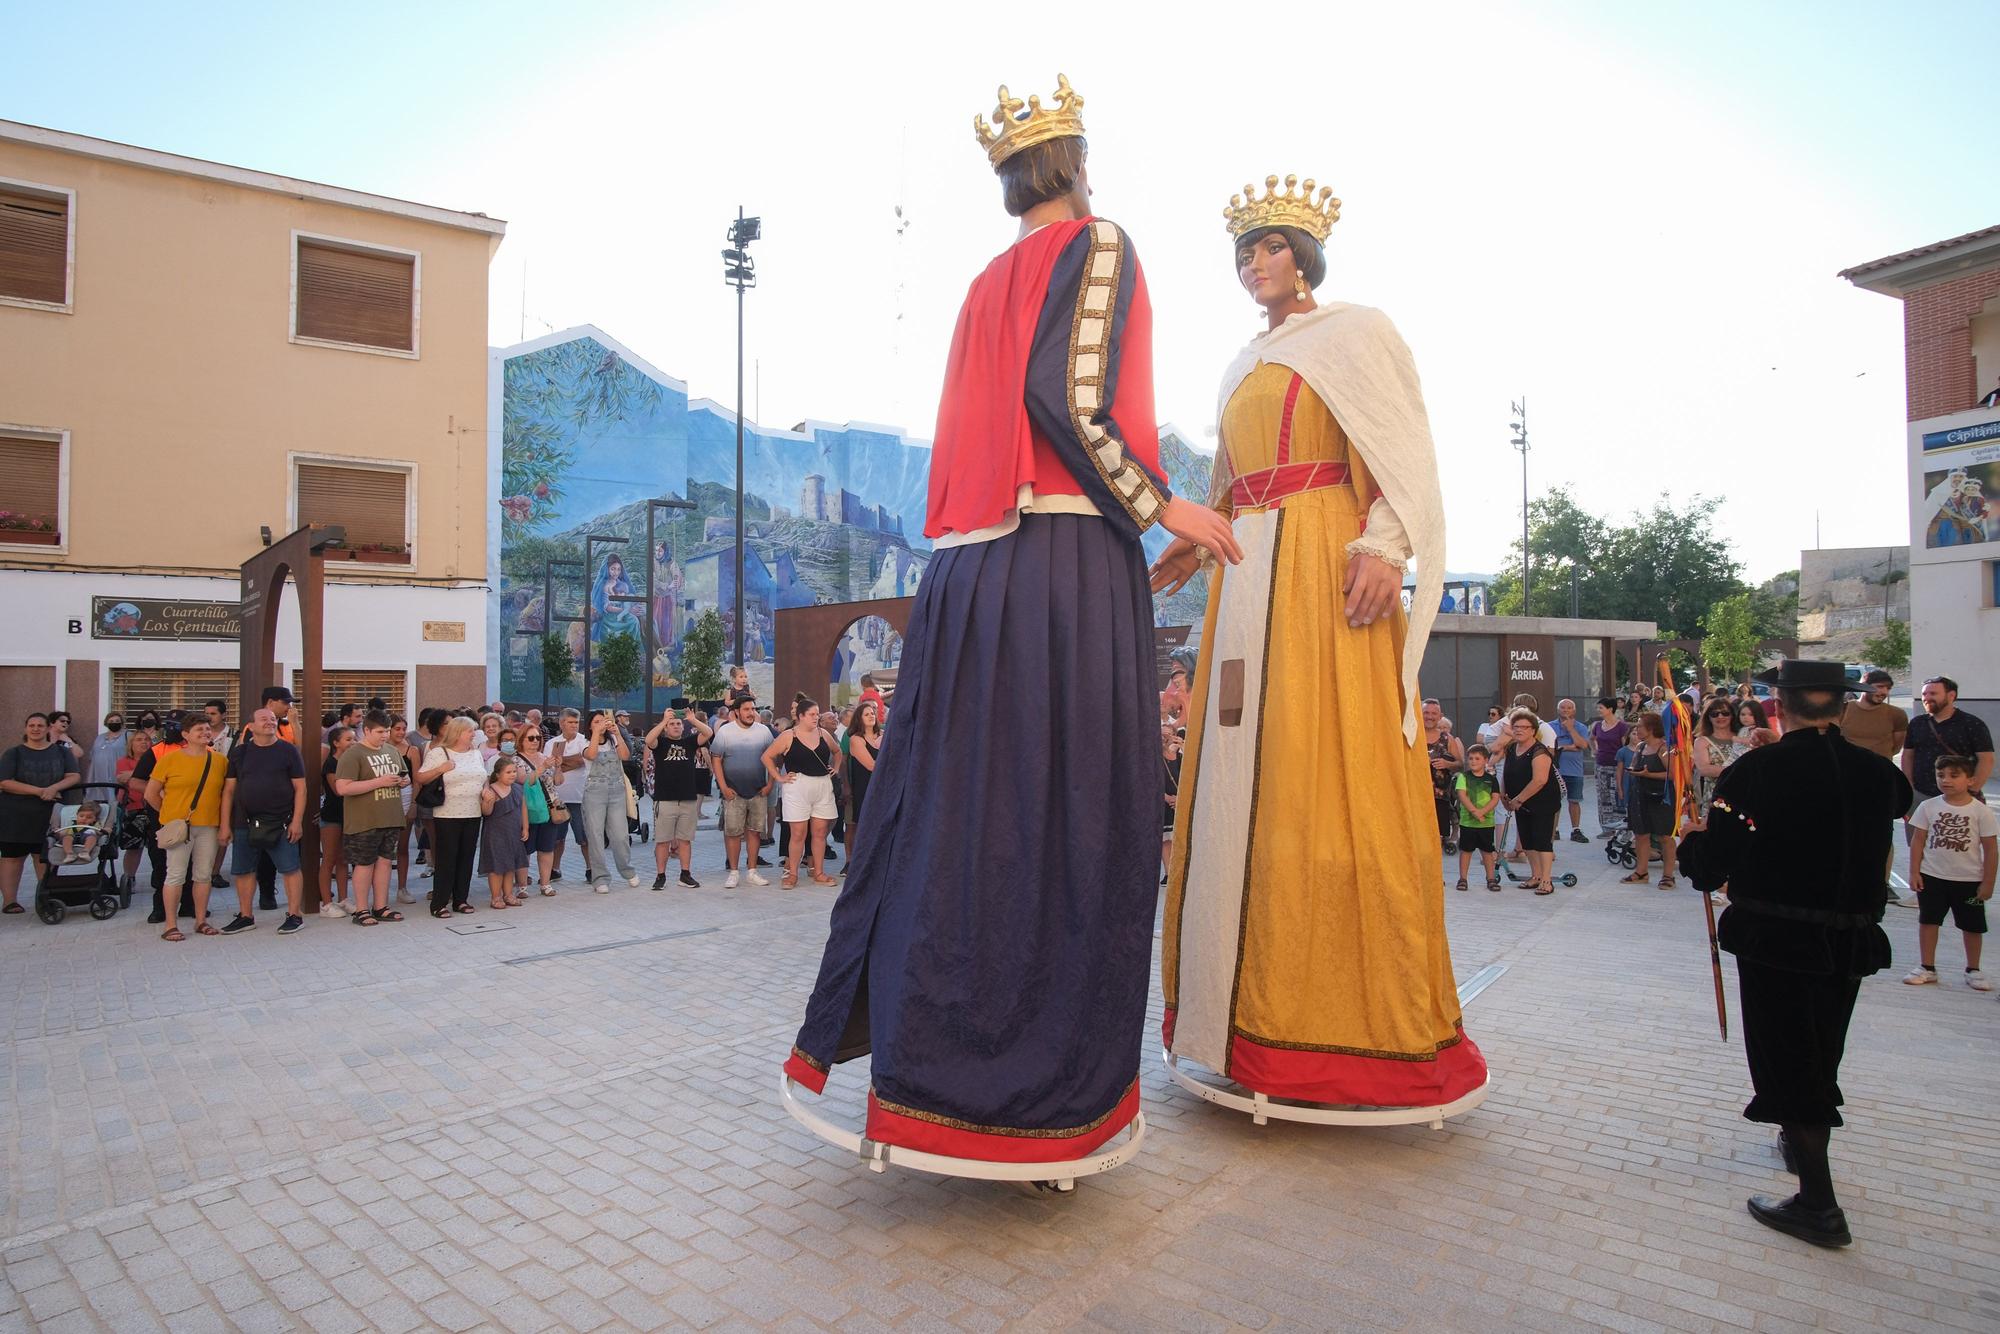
{"x": 1268, "y": 486}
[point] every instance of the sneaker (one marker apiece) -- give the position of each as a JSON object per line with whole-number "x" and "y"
{"x": 1578, "y": 836}
{"x": 291, "y": 925}
{"x": 405, "y": 896}
{"x": 763, "y": 860}
{"x": 237, "y": 924}
{"x": 1905, "y": 901}
{"x": 1977, "y": 980}
{"x": 426, "y": 875}
{"x": 331, "y": 909}
{"x": 729, "y": 881}
{"x": 756, "y": 879}
{"x": 421, "y": 859}
{"x": 690, "y": 881}
{"x": 267, "y": 904}
{"x": 1921, "y": 976}
{"x": 660, "y": 880}
{"x": 633, "y": 881}
{"x": 555, "y": 875}
{"x": 602, "y": 889}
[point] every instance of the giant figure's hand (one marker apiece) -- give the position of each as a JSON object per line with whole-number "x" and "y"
{"x": 1202, "y": 526}
{"x": 1372, "y": 584}
{"x": 1176, "y": 565}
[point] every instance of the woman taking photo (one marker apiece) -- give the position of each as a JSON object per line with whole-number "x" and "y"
{"x": 455, "y": 840}
{"x": 542, "y": 830}
{"x": 32, "y": 774}
{"x": 864, "y": 747}
{"x": 1528, "y": 785}
{"x": 805, "y": 790}
{"x": 605, "y": 826}
{"x": 1335, "y": 985}
{"x": 1650, "y": 813}
{"x": 332, "y": 857}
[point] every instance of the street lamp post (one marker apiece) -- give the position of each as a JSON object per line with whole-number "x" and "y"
{"x": 549, "y": 617}
{"x": 1520, "y": 428}
{"x": 740, "y": 273}
{"x": 590, "y": 541}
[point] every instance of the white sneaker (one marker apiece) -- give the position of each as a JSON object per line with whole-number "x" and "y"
{"x": 729, "y": 881}
{"x": 1920, "y": 976}
{"x": 1977, "y": 980}
{"x": 632, "y": 880}
{"x": 756, "y": 879}
{"x": 404, "y": 896}
{"x": 331, "y": 909}
{"x": 603, "y": 889}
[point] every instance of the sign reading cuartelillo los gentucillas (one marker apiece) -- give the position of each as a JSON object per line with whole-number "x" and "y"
{"x": 142, "y": 618}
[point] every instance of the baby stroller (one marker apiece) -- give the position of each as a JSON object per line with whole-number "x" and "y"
{"x": 81, "y": 853}
{"x": 1618, "y": 850}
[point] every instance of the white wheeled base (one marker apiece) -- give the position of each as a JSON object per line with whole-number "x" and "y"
{"x": 881, "y": 1157}
{"x": 1263, "y": 1109}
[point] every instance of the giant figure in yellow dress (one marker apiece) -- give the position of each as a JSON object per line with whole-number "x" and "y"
{"x": 1305, "y": 954}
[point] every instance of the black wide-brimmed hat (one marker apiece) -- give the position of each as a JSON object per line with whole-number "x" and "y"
{"x": 1807, "y": 674}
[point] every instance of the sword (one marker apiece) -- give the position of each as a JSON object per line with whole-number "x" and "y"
{"x": 1715, "y": 963}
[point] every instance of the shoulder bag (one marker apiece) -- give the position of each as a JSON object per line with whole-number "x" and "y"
{"x": 431, "y": 795}
{"x": 175, "y": 832}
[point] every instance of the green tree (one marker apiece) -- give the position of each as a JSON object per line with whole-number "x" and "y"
{"x": 701, "y": 657}
{"x": 558, "y": 667}
{"x": 1730, "y": 635}
{"x": 618, "y": 664}
{"x": 1890, "y": 650}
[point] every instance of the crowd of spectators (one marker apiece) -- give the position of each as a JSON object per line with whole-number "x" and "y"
{"x": 486, "y": 792}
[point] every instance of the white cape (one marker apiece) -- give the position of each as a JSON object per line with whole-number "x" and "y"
{"x": 1358, "y": 364}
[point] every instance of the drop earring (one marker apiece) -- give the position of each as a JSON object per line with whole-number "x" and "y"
{"x": 1299, "y": 286}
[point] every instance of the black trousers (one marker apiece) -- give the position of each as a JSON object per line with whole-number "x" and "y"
{"x": 453, "y": 850}
{"x": 1794, "y": 1033}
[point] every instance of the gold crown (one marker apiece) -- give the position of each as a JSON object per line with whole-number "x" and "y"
{"x": 1290, "y": 207}
{"x": 1025, "y": 124}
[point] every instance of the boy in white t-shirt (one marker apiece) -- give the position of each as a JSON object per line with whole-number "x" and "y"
{"x": 1954, "y": 849}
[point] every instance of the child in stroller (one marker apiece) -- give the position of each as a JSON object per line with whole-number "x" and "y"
{"x": 82, "y": 857}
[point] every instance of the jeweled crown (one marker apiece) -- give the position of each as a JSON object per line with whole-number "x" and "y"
{"x": 1025, "y": 124}
{"x": 1293, "y": 206}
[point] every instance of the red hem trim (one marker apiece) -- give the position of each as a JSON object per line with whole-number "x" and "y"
{"x": 887, "y": 1127}
{"x": 1285, "y": 421}
{"x": 1357, "y": 1081}
{"x": 804, "y": 1075}
{"x": 1167, "y": 1028}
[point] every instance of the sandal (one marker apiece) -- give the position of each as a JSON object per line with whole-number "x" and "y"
{"x": 1666, "y": 882}
{"x": 172, "y": 933}
{"x": 548, "y": 891}
{"x": 824, "y": 880}
{"x": 1460, "y": 884}
{"x": 1494, "y": 884}
{"x": 206, "y": 930}
{"x": 440, "y": 912}
{"x": 364, "y": 917}
{"x": 497, "y": 905}
{"x": 13, "y": 908}
{"x": 1545, "y": 888}
{"x": 388, "y": 915}
{"x": 788, "y": 882}
{"x": 1636, "y": 878}
{"x": 462, "y": 907}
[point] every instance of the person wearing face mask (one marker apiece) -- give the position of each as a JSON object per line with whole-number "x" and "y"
{"x": 107, "y": 750}
{"x": 1333, "y": 985}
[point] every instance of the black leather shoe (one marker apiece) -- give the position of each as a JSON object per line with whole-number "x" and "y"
{"x": 1821, "y": 1227}
{"x": 1785, "y": 1152}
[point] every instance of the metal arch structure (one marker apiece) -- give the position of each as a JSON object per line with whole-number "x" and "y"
{"x": 881, "y": 1157}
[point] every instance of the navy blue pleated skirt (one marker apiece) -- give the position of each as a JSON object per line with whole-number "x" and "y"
{"x": 993, "y": 942}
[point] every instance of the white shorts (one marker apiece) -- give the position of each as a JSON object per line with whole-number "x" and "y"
{"x": 808, "y": 797}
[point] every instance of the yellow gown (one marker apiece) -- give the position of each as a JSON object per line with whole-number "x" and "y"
{"x": 1305, "y": 953}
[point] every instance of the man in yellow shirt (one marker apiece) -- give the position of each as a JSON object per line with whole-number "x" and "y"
{"x": 187, "y": 785}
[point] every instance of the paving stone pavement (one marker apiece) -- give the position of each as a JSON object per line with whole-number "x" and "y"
{"x": 571, "y": 1124}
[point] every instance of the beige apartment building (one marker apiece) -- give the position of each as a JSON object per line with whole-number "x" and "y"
{"x": 195, "y": 358}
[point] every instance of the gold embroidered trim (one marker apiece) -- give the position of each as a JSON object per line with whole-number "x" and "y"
{"x": 1458, "y": 1036}
{"x": 810, "y": 1060}
{"x": 1128, "y": 483}
{"x": 953, "y": 1123}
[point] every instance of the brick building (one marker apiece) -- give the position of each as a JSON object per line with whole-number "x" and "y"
{"x": 1950, "y": 292}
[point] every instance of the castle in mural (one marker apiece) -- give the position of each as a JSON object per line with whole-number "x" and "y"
{"x": 618, "y": 519}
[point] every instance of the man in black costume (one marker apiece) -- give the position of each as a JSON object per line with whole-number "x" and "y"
{"x": 1800, "y": 833}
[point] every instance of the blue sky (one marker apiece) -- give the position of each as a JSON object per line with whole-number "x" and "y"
{"x": 1632, "y": 214}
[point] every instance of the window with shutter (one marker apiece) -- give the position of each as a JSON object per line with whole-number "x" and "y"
{"x": 370, "y": 503}
{"x": 347, "y": 295}
{"x": 136, "y": 689}
{"x": 342, "y": 687}
{"x": 30, "y": 490}
{"x": 34, "y": 245}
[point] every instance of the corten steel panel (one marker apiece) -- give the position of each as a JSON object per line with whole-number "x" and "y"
{"x": 24, "y": 690}
{"x": 807, "y": 637}
{"x": 80, "y": 698}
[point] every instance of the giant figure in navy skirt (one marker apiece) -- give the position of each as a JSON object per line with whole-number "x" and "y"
{"x": 992, "y": 945}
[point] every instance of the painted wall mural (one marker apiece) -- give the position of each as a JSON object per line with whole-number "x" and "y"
{"x": 593, "y": 439}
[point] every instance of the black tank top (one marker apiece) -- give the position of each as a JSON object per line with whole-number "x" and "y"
{"x": 811, "y": 761}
